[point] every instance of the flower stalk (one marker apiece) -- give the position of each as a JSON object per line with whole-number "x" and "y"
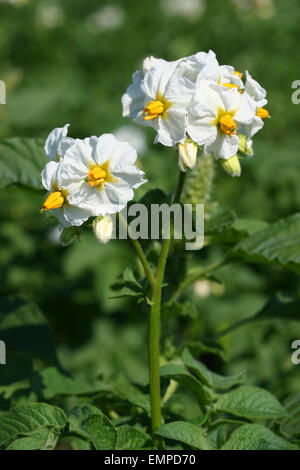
{"x": 154, "y": 330}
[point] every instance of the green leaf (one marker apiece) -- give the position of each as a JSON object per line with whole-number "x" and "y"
{"x": 21, "y": 161}
{"x": 279, "y": 307}
{"x": 24, "y": 329}
{"x": 176, "y": 309}
{"x": 256, "y": 437}
{"x": 44, "y": 439}
{"x": 277, "y": 244}
{"x": 186, "y": 433}
{"x": 198, "y": 348}
{"x": 80, "y": 444}
{"x": 89, "y": 422}
{"x": 181, "y": 375}
{"x": 251, "y": 402}
{"x": 80, "y": 413}
{"x": 128, "y": 286}
{"x": 51, "y": 382}
{"x": 240, "y": 229}
{"x": 17, "y": 369}
{"x": 130, "y": 438}
{"x": 27, "y": 419}
{"x": 217, "y": 436}
{"x": 248, "y": 226}
{"x": 69, "y": 235}
{"x": 213, "y": 380}
{"x": 290, "y": 426}
{"x": 219, "y": 221}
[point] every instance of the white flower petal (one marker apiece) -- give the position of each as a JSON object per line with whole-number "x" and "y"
{"x": 49, "y": 175}
{"x": 133, "y": 99}
{"x": 201, "y": 130}
{"x": 53, "y": 141}
{"x": 105, "y": 148}
{"x": 201, "y": 66}
{"x": 171, "y": 130}
{"x": 157, "y": 79}
{"x": 224, "y": 146}
{"x": 132, "y": 176}
{"x": 246, "y": 111}
{"x": 254, "y": 89}
{"x": 75, "y": 215}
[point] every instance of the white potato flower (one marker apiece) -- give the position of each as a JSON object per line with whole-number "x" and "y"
{"x": 57, "y": 143}
{"x": 258, "y": 95}
{"x": 58, "y": 198}
{"x": 96, "y": 176}
{"x": 159, "y": 96}
{"x": 197, "y": 99}
{"x": 215, "y": 116}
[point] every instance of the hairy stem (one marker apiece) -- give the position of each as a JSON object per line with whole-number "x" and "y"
{"x": 154, "y": 333}
{"x": 141, "y": 255}
{"x": 139, "y": 251}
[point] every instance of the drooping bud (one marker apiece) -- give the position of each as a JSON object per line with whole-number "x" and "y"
{"x": 245, "y": 145}
{"x": 187, "y": 155}
{"x": 103, "y": 228}
{"x": 231, "y": 166}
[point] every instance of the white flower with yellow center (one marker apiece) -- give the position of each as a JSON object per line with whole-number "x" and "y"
{"x": 258, "y": 95}
{"x": 57, "y": 143}
{"x": 215, "y": 116}
{"x": 96, "y": 175}
{"x": 159, "y": 97}
{"x": 58, "y": 198}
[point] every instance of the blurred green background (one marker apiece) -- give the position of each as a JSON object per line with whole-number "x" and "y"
{"x": 71, "y": 61}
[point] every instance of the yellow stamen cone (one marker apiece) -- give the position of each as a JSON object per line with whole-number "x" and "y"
{"x": 55, "y": 200}
{"x": 227, "y": 125}
{"x": 153, "y": 110}
{"x": 262, "y": 113}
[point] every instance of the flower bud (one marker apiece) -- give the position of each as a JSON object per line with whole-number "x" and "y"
{"x": 231, "y": 166}
{"x": 103, "y": 228}
{"x": 245, "y": 146}
{"x": 187, "y": 155}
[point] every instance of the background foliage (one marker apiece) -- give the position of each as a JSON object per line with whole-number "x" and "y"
{"x": 70, "y": 62}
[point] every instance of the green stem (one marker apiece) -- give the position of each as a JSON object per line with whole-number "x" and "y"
{"x": 154, "y": 333}
{"x": 140, "y": 253}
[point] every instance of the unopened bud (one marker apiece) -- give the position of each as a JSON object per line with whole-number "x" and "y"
{"x": 245, "y": 146}
{"x": 103, "y": 228}
{"x": 231, "y": 166}
{"x": 187, "y": 155}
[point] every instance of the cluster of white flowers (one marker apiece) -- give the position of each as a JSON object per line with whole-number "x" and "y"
{"x": 94, "y": 177}
{"x": 196, "y": 102}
